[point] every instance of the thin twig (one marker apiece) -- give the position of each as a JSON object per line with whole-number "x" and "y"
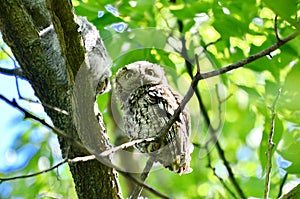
{"x": 197, "y": 64}
{"x": 57, "y": 131}
{"x": 249, "y": 59}
{"x": 214, "y": 171}
{"x": 281, "y": 185}
{"x": 125, "y": 146}
{"x": 17, "y": 71}
{"x": 16, "y": 68}
{"x": 177, "y": 112}
{"x": 138, "y": 189}
{"x": 221, "y": 151}
{"x": 102, "y": 159}
{"x": 292, "y": 194}
{"x": 139, "y": 182}
{"x": 201, "y": 76}
{"x": 221, "y": 101}
{"x": 77, "y": 159}
{"x": 11, "y": 72}
{"x": 270, "y": 148}
{"x": 276, "y": 28}
{"x": 34, "y": 174}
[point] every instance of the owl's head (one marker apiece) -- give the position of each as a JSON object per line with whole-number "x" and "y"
{"x": 137, "y": 74}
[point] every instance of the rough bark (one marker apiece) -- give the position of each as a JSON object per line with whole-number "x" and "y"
{"x": 50, "y": 62}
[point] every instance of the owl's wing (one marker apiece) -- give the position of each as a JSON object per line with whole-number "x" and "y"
{"x": 178, "y": 141}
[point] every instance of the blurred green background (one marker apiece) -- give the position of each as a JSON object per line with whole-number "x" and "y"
{"x": 220, "y": 33}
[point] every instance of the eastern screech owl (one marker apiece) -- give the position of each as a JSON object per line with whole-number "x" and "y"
{"x": 148, "y": 102}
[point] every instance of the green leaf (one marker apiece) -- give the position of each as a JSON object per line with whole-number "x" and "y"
{"x": 263, "y": 149}
{"x": 290, "y": 150}
{"x": 251, "y": 187}
{"x": 287, "y": 9}
{"x": 290, "y": 98}
{"x": 278, "y": 131}
{"x": 277, "y": 135}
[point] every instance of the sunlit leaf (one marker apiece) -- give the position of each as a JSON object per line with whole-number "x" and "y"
{"x": 285, "y": 9}
{"x": 290, "y": 150}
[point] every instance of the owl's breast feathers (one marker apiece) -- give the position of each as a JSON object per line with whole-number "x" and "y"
{"x": 147, "y": 111}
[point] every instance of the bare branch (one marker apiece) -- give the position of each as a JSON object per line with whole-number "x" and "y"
{"x": 74, "y": 160}
{"x": 276, "y": 28}
{"x": 294, "y": 193}
{"x": 200, "y": 76}
{"x": 221, "y": 101}
{"x": 221, "y": 151}
{"x": 125, "y": 146}
{"x": 34, "y": 174}
{"x": 12, "y": 72}
{"x": 214, "y": 171}
{"x": 281, "y": 185}
{"x": 30, "y": 115}
{"x": 17, "y": 71}
{"x": 140, "y": 183}
{"x": 197, "y": 63}
{"x": 270, "y": 148}
{"x": 249, "y": 59}
{"x": 138, "y": 189}
{"x": 81, "y": 146}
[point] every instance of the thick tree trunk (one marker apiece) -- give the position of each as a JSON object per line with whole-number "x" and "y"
{"x": 50, "y": 62}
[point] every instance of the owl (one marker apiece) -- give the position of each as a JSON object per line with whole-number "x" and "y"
{"x": 148, "y": 102}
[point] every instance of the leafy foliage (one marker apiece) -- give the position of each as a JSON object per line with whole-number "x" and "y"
{"x": 230, "y": 30}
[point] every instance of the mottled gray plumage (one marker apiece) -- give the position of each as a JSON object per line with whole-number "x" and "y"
{"x": 148, "y": 102}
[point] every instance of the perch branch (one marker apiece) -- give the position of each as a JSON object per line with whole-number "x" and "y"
{"x": 125, "y": 146}
{"x": 177, "y": 112}
{"x": 60, "y": 133}
{"x": 199, "y": 76}
{"x": 84, "y": 159}
{"x": 138, "y": 189}
{"x": 270, "y": 148}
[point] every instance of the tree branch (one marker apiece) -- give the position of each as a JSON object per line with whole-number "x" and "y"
{"x": 276, "y": 28}
{"x": 138, "y": 189}
{"x": 74, "y": 160}
{"x": 270, "y": 148}
{"x": 220, "y": 150}
{"x": 125, "y": 146}
{"x": 17, "y": 72}
{"x": 12, "y": 72}
{"x": 214, "y": 171}
{"x": 294, "y": 193}
{"x": 200, "y": 76}
{"x": 281, "y": 185}
{"x": 249, "y": 59}
{"x": 100, "y": 158}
